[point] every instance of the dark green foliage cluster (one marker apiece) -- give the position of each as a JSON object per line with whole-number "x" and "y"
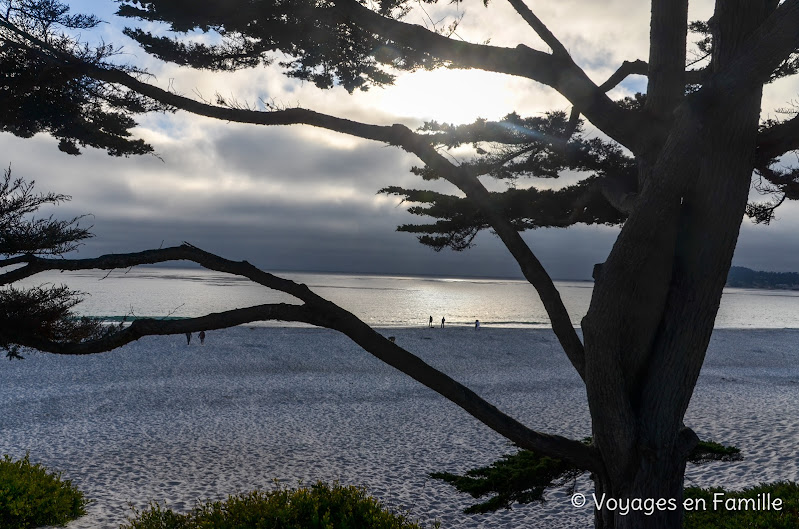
{"x": 44, "y": 311}
{"x": 315, "y": 38}
{"x": 703, "y": 31}
{"x": 525, "y": 476}
{"x": 747, "y": 278}
{"x": 538, "y": 146}
{"x": 43, "y": 91}
{"x": 786, "y": 518}
{"x": 319, "y": 506}
{"x": 709, "y": 451}
{"x": 516, "y": 147}
{"x": 519, "y": 478}
{"x": 19, "y": 233}
{"x": 30, "y": 496}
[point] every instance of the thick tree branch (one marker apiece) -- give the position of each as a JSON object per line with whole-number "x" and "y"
{"x": 556, "y": 70}
{"x": 639, "y": 67}
{"x": 761, "y": 54}
{"x": 539, "y": 27}
{"x": 626, "y": 69}
{"x": 778, "y": 139}
{"x": 667, "y": 42}
{"x": 414, "y": 143}
{"x": 571, "y": 126}
{"x": 12, "y": 261}
{"x": 152, "y": 327}
{"x": 316, "y": 311}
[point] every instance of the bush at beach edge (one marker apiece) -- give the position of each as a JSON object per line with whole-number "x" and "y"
{"x": 319, "y": 506}
{"x": 31, "y": 496}
{"x": 761, "y": 516}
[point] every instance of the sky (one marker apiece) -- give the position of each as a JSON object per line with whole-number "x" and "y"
{"x": 299, "y": 198}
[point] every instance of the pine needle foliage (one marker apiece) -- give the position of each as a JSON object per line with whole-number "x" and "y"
{"x": 43, "y": 311}
{"x": 709, "y": 451}
{"x": 21, "y": 233}
{"x": 510, "y": 150}
{"x": 40, "y": 92}
{"x": 525, "y": 476}
{"x": 519, "y": 478}
{"x": 311, "y": 39}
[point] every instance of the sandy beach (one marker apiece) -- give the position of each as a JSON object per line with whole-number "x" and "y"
{"x": 160, "y": 420}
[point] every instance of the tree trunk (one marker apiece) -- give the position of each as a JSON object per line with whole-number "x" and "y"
{"x": 656, "y": 298}
{"x": 652, "y": 500}
{"x": 644, "y": 352}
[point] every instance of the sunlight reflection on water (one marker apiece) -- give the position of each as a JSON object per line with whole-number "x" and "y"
{"x": 380, "y": 300}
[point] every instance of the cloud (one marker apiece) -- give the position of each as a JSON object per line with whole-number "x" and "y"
{"x": 304, "y": 198}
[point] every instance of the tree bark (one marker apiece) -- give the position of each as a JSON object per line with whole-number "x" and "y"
{"x": 644, "y": 348}
{"x": 652, "y": 500}
{"x": 655, "y": 303}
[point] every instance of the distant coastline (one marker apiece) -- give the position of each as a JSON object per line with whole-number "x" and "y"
{"x": 741, "y": 277}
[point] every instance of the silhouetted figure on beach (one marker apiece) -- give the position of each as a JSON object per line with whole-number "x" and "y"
{"x": 188, "y": 338}
{"x": 476, "y": 325}
{"x": 202, "y": 337}
{"x": 431, "y": 322}
{"x": 442, "y": 322}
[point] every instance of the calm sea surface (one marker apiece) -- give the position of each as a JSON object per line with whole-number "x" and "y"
{"x": 379, "y": 300}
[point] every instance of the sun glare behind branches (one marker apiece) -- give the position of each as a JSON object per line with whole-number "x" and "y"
{"x": 452, "y": 96}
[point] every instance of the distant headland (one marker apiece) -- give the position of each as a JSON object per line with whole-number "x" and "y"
{"x": 741, "y": 277}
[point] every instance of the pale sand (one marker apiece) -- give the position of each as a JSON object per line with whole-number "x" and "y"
{"x": 158, "y": 420}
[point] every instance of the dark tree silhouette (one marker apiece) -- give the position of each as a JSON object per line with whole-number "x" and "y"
{"x": 44, "y": 310}
{"x": 676, "y": 168}
{"x": 38, "y": 95}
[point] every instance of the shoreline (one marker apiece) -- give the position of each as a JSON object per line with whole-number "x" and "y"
{"x": 484, "y": 325}
{"x": 159, "y": 420}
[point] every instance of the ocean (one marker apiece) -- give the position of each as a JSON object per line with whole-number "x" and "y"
{"x": 381, "y": 301}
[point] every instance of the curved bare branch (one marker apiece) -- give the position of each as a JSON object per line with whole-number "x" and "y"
{"x": 531, "y": 267}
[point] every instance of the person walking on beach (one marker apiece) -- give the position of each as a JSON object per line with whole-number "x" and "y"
{"x": 476, "y": 325}
{"x": 202, "y": 337}
{"x": 431, "y": 322}
{"x": 442, "y": 322}
{"x": 188, "y": 338}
